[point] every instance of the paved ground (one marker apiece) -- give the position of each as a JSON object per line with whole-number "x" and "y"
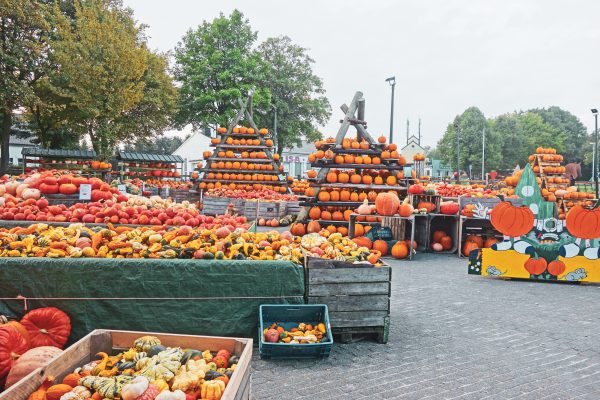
{"x": 458, "y": 336}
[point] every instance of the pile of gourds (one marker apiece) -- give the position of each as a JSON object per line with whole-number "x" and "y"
{"x": 302, "y": 333}
{"x": 147, "y": 371}
{"x": 221, "y": 243}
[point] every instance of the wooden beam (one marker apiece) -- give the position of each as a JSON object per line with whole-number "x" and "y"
{"x": 362, "y": 131}
{"x": 349, "y": 114}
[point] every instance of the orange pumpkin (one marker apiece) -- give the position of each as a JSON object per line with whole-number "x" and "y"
{"x": 314, "y": 213}
{"x": 511, "y": 220}
{"x": 406, "y": 209}
{"x": 362, "y": 241}
{"x": 475, "y": 238}
{"x": 446, "y": 243}
{"x": 399, "y": 250}
{"x": 55, "y": 392}
{"x": 583, "y": 223}
{"x": 381, "y": 246}
{"x": 489, "y": 242}
{"x": 313, "y": 227}
{"x": 298, "y": 229}
{"x": 387, "y": 204}
{"x": 468, "y": 247}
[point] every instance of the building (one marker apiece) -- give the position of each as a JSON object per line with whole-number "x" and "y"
{"x": 191, "y": 150}
{"x": 413, "y": 144}
{"x": 295, "y": 161}
{"x": 16, "y": 147}
{"x": 437, "y": 169}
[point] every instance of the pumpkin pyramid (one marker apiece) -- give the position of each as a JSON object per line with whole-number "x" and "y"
{"x": 243, "y": 158}
{"x": 352, "y": 171}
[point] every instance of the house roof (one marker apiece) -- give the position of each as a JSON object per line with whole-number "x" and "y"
{"x": 58, "y": 153}
{"x": 18, "y": 141}
{"x": 134, "y": 156}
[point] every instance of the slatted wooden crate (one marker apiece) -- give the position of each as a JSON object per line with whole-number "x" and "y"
{"x": 292, "y": 207}
{"x": 181, "y": 195}
{"x": 218, "y": 205}
{"x": 266, "y": 209}
{"x": 357, "y": 295}
{"x": 111, "y": 342}
{"x": 66, "y": 199}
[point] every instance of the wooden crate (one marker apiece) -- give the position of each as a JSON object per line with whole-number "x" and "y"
{"x": 292, "y": 207}
{"x": 266, "y": 209}
{"x": 415, "y": 199}
{"x": 108, "y": 341}
{"x": 357, "y": 295}
{"x": 66, "y": 199}
{"x": 218, "y": 205}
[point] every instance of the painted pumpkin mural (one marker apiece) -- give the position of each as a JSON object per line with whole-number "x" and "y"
{"x": 537, "y": 244}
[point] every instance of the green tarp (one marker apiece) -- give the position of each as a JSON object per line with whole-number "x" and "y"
{"x": 205, "y": 297}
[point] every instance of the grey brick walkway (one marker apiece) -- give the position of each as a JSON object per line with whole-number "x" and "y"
{"x": 455, "y": 336}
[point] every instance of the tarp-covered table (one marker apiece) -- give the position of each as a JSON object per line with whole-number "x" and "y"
{"x": 208, "y": 297}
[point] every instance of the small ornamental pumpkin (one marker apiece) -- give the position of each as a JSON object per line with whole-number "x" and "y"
{"x": 406, "y": 209}
{"x": 387, "y": 204}
{"x": 144, "y": 343}
{"x": 55, "y": 392}
{"x": 16, "y": 324}
{"x": 212, "y": 390}
{"x": 47, "y": 326}
{"x": 139, "y": 388}
{"x": 399, "y": 250}
{"x": 364, "y": 208}
{"x": 71, "y": 379}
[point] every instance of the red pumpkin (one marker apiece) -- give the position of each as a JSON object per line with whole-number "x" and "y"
{"x": 556, "y": 267}
{"x": 67, "y": 188}
{"x": 427, "y": 205}
{"x": 298, "y": 229}
{"x": 416, "y": 189}
{"x": 449, "y": 208}
{"x": 468, "y": 247}
{"x": 12, "y": 346}
{"x": 438, "y": 235}
{"x": 313, "y": 227}
{"x": 387, "y": 203}
{"x": 446, "y": 242}
{"x": 363, "y": 241}
{"x": 272, "y": 336}
{"x": 48, "y": 189}
{"x": 47, "y": 326}
{"x": 381, "y": 246}
{"x": 536, "y": 266}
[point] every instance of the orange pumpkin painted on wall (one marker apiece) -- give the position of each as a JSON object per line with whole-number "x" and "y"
{"x": 511, "y": 220}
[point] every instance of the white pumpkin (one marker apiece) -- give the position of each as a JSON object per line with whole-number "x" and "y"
{"x": 560, "y": 192}
{"x": 364, "y": 208}
{"x": 30, "y": 193}
{"x": 437, "y": 247}
{"x": 11, "y": 187}
{"x": 167, "y": 395}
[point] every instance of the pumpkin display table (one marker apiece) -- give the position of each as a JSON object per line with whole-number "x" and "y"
{"x": 219, "y": 297}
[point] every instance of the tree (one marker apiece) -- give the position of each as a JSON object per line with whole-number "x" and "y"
{"x": 295, "y": 90}
{"x": 114, "y": 88}
{"x": 160, "y": 145}
{"x": 215, "y": 65}
{"x": 23, "y": 60}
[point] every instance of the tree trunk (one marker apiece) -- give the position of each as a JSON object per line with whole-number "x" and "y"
{"x": 5, "y": 147}
{"x": 279, "y": 147}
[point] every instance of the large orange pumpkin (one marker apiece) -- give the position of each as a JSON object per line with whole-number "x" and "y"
{"x": 475, "y": 238}
{"x": 387, "y": 204}
{"x": 511, "y": 220}
{"x": 438, "y": 235}
{"x": 583, "y": 223}
{"x": 298, "y": 229}
{"x": 400, "y": 250}
{"x": 446, "y": 242}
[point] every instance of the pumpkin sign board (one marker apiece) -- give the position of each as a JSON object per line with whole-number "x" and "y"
{"x": 536, "y": 244}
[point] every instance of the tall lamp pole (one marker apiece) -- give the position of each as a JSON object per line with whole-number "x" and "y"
{"x": 595, "y": 166}
{"x": 392, "y": 83}
{"x": 457, "y": 153}
{"x": 483, "y": 155}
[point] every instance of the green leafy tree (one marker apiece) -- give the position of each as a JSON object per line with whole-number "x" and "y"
{"x": 24, "y": 32}
{"x": 296, "y": 92}
{"x": 115, "y": 89}
{"x": 215, "y": 65}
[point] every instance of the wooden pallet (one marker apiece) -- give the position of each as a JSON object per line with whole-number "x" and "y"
{"x": 266, "y": 209}
{"x": 357, "y": 296}
{"x": 350, "y": 335}
{"x": 219, "y": 205}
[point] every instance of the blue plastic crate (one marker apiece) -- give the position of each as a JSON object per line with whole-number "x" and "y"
{"x": 289, "y": 316}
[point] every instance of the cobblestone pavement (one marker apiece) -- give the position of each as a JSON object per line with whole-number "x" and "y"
{"x": 456, "y": 336}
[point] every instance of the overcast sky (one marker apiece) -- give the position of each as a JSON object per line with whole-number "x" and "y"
{"x": 498, "y": 55}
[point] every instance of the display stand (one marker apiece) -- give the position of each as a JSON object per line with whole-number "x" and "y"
{"x": 74, "y": 161}
{"x": 143, "y": 166}
{"x": 396, "y": 223}
{"x": 354, "y": 116}
{"x": 243, "y": 157}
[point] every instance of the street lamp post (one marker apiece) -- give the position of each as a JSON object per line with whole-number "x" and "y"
{"x": 595, "y": 167}
{"x": 392, "y": 83}
{"x": 457, "y": 153}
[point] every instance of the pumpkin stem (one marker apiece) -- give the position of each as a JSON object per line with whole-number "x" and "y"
{"x": 44, "y": 331}
{"x": 14, "y": 356}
